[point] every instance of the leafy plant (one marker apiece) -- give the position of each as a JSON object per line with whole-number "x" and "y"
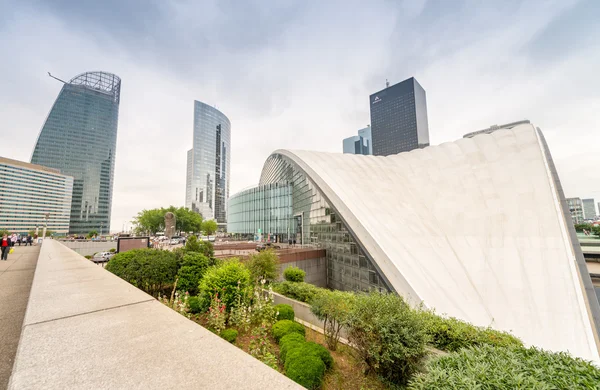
{"x": 260, "y": 347}
{"x": 112, "y": 250}
{"x": 490, "y": 367}
{"x": 333, "y": 308}
{"x": 217, "y": 314}
{"x": 231, "y": 279}
{"x": 294, "y": 274}
{"x": 285, "y": 312}
{"x": 300, "y": 291}
{"x": 306, "y": 370}
{"x": 263, "y": 311}
{"x": 284, "y": 327}
{"x": 229, "y": 335}
{"x": 194, "y": 265}
{"x": 92, "y": 233}
{"x": 264, "y": 265}
{"x": 388, "y": 335}
{"x": 288, "y": 342}
{"x": 209, "y": 227}
{"x": 178, "y": 302}
{"x": 194, "y": 305}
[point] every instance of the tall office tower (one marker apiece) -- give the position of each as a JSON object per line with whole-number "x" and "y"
{"x": 576, "y": 208}
{"x": 79, "y": 138}
{"x": 589, "y": 209}
{"x": 207, "y": 179}
{"x": 359, "y": 144}
{"x": 399, "y": 118}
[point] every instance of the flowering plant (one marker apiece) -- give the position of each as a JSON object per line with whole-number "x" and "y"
{"x": 217, "y": 314}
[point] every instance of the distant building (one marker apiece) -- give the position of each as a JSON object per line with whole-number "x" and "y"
{"x": 576, "y": 209}
{"x": 208, "y": 162}
{"x": 79, "y": 138}
{"x": 399, "y": 118}
{"x": 589, "y": 209}
{"x": 359, "y": 144}
{"x": 29, "y": 192}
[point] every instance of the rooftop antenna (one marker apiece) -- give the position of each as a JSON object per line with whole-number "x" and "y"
{"x": 387, "y": 83}
{"x": 56, "y": 78}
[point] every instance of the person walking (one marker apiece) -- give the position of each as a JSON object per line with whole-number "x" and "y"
{"x": 29, "y": 240}
{"x": 5, "y": 245}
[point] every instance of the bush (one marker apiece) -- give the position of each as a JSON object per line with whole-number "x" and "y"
{"x": 264, "y": 265}
{"x": 193, "y": 267}
{"x": 333, "y": 308}
{"x": 300, "y": 291}
{"x": 389, "y": 336}
{"x": 88, "y": 257}
{"x": 320, "y": 351}
{"x": 225, "y": 279}
{"x": 286, "y": 312}
{"x": 112, "y": 250}
{"x": 294, "y": 274}
{"x": 229, "y": 335}
{"x": 192, "y": 244}
{"x": 151, "y": 270}
{"x": 489, "y": 367}
{"x": 288, "y": 342}
{"x": 451, "y": 334}
{"x": 195, "y": 305}
{"x": 284, "y": 327}
{"x": 306, "y": 370}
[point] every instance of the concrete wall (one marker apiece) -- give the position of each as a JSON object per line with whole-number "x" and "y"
{"x": 311, "y": 261}
{"x": 85, "y": 328}
{"x": 88, "y": 248}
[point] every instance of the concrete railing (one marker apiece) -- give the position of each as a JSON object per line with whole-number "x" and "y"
{"x": 86, "y": 328}
{"x": 88, "y": 248}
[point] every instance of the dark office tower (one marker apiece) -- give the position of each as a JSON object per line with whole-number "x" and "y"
{"x": 399, "y": 118}
{"x": 79, "y": 138}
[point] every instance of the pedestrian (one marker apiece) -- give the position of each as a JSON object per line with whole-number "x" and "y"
{"x": 294, "y": 242}
{"x": 13, "y": 239}
{"x": 29, "y": 240}
{"x": 5, "y": 245}
{"x": 35, "y": 236}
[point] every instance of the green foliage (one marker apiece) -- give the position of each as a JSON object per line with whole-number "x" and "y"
{"x": 4, "y": 232}
{"x": 112, "y": 250}
{"x": 193, "y": 267}
{"x": 388, "y": 335}
{"x": 320, "y": 351}
{"x": 300, "y": 291}
{"x": 225, "y": 279}
{"x": 596, "y": 230}
{"x": 306, "y": 370}
{"x": 153, "y": 220}
{"x": 92, "y": 233}
{"x": 581, "y": 226}
{"x": 194, "y": 305}
{"x": 288, "y": 342}
{"x": 264, "y": 265}
{"x": 209, "y": 227}
{"x": 217, "y": 314}
{"x": 294, "y": 274}
{"x": 151, "y": 270}
{"x": 333, "y": 308}
{"x": 88, "y": 256}
{"x": 260, "y": 347}
{"x": 489, "y": 367}
{"x": 229, "y": 335}
{"x": 451, "y": 334}
{"x": 286, "y": 312}
{"x": 285, "y": 327}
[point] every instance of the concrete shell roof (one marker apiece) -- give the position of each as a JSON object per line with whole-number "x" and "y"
{"x": 472, "y": 228}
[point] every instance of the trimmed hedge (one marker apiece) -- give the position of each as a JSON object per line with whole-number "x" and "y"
{"x": 306, "y": 370}
{"x": 229, "y": 335}
{"x": 289, "y": 342}
{"x": 490, "y": 367}
{"x": 300, "y": 291}
{"x": 284, "y": 327}
{"x": 294, "y": 274}
{"x": 286, "y": 312}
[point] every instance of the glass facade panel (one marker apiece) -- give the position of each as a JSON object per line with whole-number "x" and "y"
{"x": 79, "y": 138}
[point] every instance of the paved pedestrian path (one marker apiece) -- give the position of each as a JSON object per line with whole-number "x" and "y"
{"x": 16, "y": 276}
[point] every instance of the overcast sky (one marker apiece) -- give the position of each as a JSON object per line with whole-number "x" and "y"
{"x": 298, "y": 74}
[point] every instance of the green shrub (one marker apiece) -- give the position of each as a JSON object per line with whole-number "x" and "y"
{"x": 288, "y": 342}
{"x": 306, "y": 370}
{"x": 192, "y": 244}
{"x": 489, "y": 367}
{"x": 286, "y": 312}
{"x": 264, "y": 265}
{"x": 284, "y": 327}
{"x": 388, "y": 335}
{"x": 320, "y": 351}
{"x": 229, "y": 335}
{"x": 451, "y": 334}
{"x": 294, "y": 274}
{"x": 300, "y": 291}
{"x": 151, "y": 270}
{"x": 88, "y": 257}
{"x": 225, "y": 279}
{"x": 193, "y": 267}
{"x": 112, "y": 250}
{"x": 195, "y": 305}
{"x": 333, "y": 308}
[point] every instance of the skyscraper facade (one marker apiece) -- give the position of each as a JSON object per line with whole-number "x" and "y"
{"x": 359, "y": 144}
{"x": 207, "y": 179}
{"x": 399, "y": 118}
{"x": 589, "y": 209}
{"x": 576, "y": 209}
{"x": 79, "y": 138}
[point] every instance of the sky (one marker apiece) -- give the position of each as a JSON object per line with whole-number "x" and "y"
{"x": 298, "y": 75}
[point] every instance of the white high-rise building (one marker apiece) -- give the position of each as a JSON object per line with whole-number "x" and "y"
{"x": 589, "y": 209}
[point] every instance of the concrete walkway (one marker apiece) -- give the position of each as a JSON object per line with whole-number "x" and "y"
{"x": 16, "y": 276}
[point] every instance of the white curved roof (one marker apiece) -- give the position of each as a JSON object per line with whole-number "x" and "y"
{"x": 472, "y": 228}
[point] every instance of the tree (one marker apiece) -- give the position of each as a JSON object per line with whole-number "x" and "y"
{"x": 92, "y": 233}
{"x": 333, "y": 308}
{"x": 264, "y": 265}
{"x": 209, "y": 227}
{"x": 152, "y": 221}
{"x": 596, "y": 230}
{"x": 4, "y": 232}
{"x": 581, "y": 226}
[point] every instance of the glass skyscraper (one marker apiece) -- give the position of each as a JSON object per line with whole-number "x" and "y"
{"x": 79, "y": 138}
{"x": 359, "y": 144}
{"x": 399, "y": 118}
{"x": 207, "y": 178}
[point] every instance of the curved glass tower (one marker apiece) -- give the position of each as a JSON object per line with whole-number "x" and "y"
{"x": 79, "y": 137}
{"x": 207, "y": 179}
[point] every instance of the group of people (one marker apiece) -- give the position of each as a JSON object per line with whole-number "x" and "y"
{"x": 8, "y": 242}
